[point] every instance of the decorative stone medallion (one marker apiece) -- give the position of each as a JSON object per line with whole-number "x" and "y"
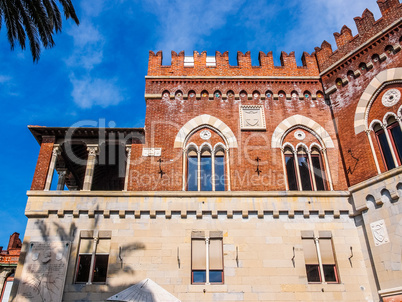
{"x": 217, "y": 95}
{"x": 252, "y": 117}
{"x": 379, "y": 231}
{"x": 300, "y": 135}
{"x": 192, "y": 94}
{"x": 256, "y": 95}
{"x": 269, "y": 95}
{"x": 391, "y": 97}
{"x": 166, "y": 96}
{"x": 294, "y": 95}
{"x": 205, "y": 134}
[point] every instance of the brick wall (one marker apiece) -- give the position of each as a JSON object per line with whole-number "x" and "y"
{"x": 42, "y": 165}
{"x": 345, "y": 99}
{"x": 391, "y": 11}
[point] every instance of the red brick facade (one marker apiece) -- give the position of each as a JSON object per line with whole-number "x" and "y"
{"x": 42, "y": 165}
{"x": 177, "y": 93}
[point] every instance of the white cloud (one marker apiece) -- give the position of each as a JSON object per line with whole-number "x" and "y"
{"x": 318, "y": 20}
{"x": 88, "y": 92}
{"x": 4, "y": 79}
{"x": 88, "y": 46}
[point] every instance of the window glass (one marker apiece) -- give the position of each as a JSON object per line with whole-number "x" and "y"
{"x": 291, "y": 172}
{"x": 215, "y": 276}
{"x": 329, "y": 273}
{"x": 313, "y": 273}
{"x": 396, "y": 134}
{"x": 206, "y": 172}
{"x": 192, "y": 167}
{"x": 318, "y": 172}
{"x": 304, "y": 172}
{"x": 219, "y": 173}
{"x": 100, "y": 268}
{"x": 386, "y": 151}
{"x": 84, "y": 266}
{"x": 199, "y": 277}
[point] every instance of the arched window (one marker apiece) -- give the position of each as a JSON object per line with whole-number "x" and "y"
{"x": 307, "y": 173}
{"x": 389, "y": 139}
{"x": 206, "y": 168}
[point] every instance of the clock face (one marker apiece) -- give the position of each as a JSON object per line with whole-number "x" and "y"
{"x": 205, "y": 134}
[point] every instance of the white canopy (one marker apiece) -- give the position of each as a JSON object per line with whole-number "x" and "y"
{"x": 144, "y": 291}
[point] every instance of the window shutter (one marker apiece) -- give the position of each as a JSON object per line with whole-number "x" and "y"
{"x": 310, "y": 252}
{"x": 327, "y": 253}
{"x": 215, "y": 254}
{"x": 86, "y": 246}
{"x": 198, "y": 254}
{"x": 103, "y": 246}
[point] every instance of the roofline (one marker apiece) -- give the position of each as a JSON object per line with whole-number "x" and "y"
{"x": 40, "y": 131}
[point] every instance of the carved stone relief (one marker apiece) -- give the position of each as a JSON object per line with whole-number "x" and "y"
{"x": 44, "y": 272}
{"x": 379, "y": 231}
{"x": 252, "y": 117}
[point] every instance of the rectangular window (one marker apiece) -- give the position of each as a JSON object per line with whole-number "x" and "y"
{"x": 93, "y": 257}
{"x": 318, "y": 172}
{"x": 192, "y": 178}
{"x": 219, "y": 172}
{"x": 319, "y": 258}
{"x": 385, "y": 149}
{"x": 291, "y": 171}
{"x": 396, "y": 137}
{"x": 206, "y": 173}
{"x": 206, "y": 258}
{"x": 304, "y": 170}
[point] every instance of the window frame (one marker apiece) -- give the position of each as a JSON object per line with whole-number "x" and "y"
{"x": 309, "y": 236}
{"x": 208, "y": 270}
{"x": 89, "y": 235}
{"x": 205, "y": 147}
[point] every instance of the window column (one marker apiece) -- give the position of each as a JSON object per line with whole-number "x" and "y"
{"x": 312, "y": 171}
{"x": 91, "y": 270}
{"x": 227, "y": 168}
{"x": 317, "y": 247}
{"x": 52, "y": 166}
{"x": 184, "y": 169}
{"x": 128, "y": 150}
{"x": 199, "y": 170}
{"x": 213, "y": 170}
{"x": 284, "y": 168}
{"x": 297, "y": 170}
{"x": 368, "y": 132}
{"x": 89, "y": 172}
{"x": 327, "y": 169}
{"x": 62, "y": 179}
{"x": 390, "y": 145}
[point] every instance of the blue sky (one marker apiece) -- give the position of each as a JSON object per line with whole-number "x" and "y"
{"x": 97, "y": 70}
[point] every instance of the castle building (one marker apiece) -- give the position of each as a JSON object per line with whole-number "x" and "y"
{"x": 247, "y": 183}
{"x": 8, "y": 264}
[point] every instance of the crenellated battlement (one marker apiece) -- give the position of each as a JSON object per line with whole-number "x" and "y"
{"x": 202, "y": 65}
{"x": 367, "y": 28}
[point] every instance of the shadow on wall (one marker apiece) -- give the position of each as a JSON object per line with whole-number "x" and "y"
{"x": 69, "y": 233}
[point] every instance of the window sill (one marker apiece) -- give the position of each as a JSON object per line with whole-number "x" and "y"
{"x": 208, "y": 288}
